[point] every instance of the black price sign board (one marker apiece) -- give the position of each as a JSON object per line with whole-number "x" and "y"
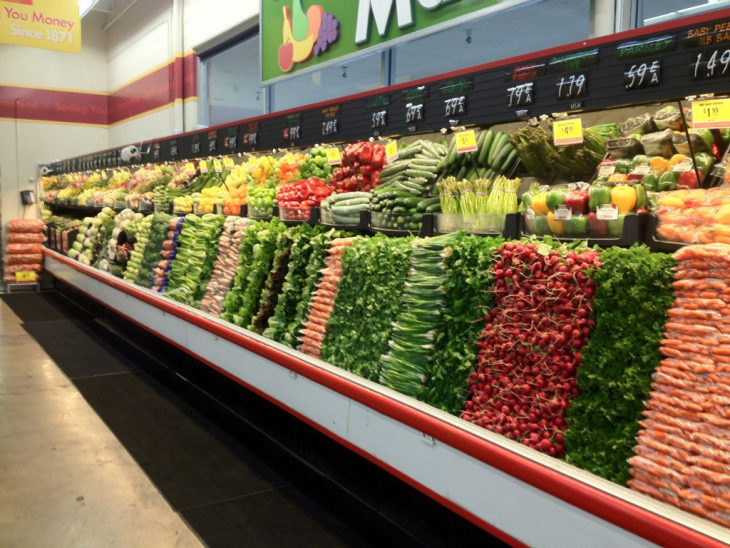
{"x": 173, "y": 148}
{"x": 293, "y": 131}
{"x": 212, "y": 141}
{"x": 571, "y": 86}
{"x": 379, "y": 116}
{"x": 156, "y": 148}
{"x": 251, "y": 137}
{"x": 414, "y": 113}
{"x": 643, "y": 75}
{"x": 456, "y": 87}
{"x": 712, "y": 63}
{"x": 646, "y": 48}
{"x": 380, "y": 119}
{"x": 414, "y": 95}
{"x": 231, "y": 141}
{"x": 195, "y": 148}
{"x": 528, "y": 71}
{"x": 456, "y": 106}
{"x": 330, "y": 120}
{"x": 520, "y": 95}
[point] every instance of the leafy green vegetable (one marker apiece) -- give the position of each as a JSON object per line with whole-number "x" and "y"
{"x": 368, "y": 300}
{"x": 151, "y": 252}
{"x": 461, "y": 323}
{"x": 630, "y": 309}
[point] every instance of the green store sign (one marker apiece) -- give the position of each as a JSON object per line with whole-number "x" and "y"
{"x": 301, "y": 35}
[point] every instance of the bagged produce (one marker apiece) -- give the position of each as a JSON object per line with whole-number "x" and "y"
{"x": 12, "y": 259}
{"x": 658, "y": 143}
{"x": 679, "y": 141}
{"x": 627, "y": 147}
{"x": 25, "y": 248}
{"x": 641, "y": 125}
{"x": 13, "y": 268}
{"x": 26, "y": 225}
{"x": 26, "y": 238}
{"x": 669, "y": 117}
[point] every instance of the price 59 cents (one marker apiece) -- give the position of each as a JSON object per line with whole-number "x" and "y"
{"x": 643, "y": 75}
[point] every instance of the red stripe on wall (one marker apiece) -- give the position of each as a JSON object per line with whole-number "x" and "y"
{"x": 176, "y": 81}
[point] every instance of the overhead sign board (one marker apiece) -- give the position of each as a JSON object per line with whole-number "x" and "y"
{"x": 46, "y": 24}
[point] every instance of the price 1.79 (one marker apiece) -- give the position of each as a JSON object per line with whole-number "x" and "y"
{"x": 642, "y": 75}
{"x": 570, "y": 87}
{"x": 519, "y": 96}
{"x": 716, "y": 65}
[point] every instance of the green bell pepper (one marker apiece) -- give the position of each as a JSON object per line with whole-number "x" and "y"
{"x": 640, "y": 196}
{"x": 597, "y": 196}
{"x": 577, "y": 225}
{"x": 668, "y": 181}
{"x": 556, "y": 198}
{"x": 616, "y": 227}
{"x": 639, "y": 159}
{"x": 622, "y": 165}
{"x": 650, "y": 182}
{"x": 542, "y": 228}
{"x": 704, "y": 161}
{"x": 706, "y": 135}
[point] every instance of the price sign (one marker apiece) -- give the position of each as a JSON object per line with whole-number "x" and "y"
{"x": 251, "y": 139}
{"x": 196, "y": 148}
{"x": 253, "y": 162}
{"x": 291, "y": 160}
{"x": 606, "y": 171}
{"x": 212, "y": 144}
{"x": 642, "y": 169}
{"x": 642, "y": 75}
{"x": 203, "y": 165}
{"x": 518, "y": 96}
{"x": 414, "y": 113}
{"x": 333, "y": 156}
{"x": 456, "y": 106}
{"x": 563, "y": 213}
{"x": 683, "y": 166}
{"x": 229, "y": 163}
{"x": 711, "y": 114}
{"x": 190, "y": 168}
{"x": 466, "y": 141}
{"x": 24, "y": 277}
{"x": 380, "y": 119}
{"x": 570, "y": 87}
{"x": 330, "y": 127}
{"x": 391, "y": 151}
{"x": 607, "y": 212}
{"x": 103, "y": 175}
{"x": 568, "y": 131}
{"x": 218, "y": 166}
{"x": 711, "y": 65}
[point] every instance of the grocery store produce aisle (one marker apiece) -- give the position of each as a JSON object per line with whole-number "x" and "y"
{"x": 237, "y": 469}
{"x": 66, "y": 480}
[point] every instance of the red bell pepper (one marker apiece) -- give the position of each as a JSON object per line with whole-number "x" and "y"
{"x": 598, "y": 228}
{"x": 378, "y": 159}
{"x": 577, "y": 201}
{"x": 366, "y": 153}
{"x": 688, "y": 180}
{"x": 715, "y": 151}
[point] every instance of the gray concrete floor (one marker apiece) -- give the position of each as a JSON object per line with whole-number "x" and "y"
{"x": 65, "y": 480}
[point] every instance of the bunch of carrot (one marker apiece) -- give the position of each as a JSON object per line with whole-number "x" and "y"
{"x": 323, "y": 301}
{"x": 683, "y": 453}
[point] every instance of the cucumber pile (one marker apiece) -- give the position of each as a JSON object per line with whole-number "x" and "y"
{"x": 401, "y": 210}
{"x": 416, "y": 169}
{"x": 344, "y": 209}
{"x": 494, "y": 156}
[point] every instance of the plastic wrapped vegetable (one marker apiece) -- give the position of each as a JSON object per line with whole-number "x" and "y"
{"x": 679, "y": 141}
{"x": 669, "y": 117}
{"x": 624, "y": 148}
{"x": 640, "y": 125}
{"x": 658, "y": 143}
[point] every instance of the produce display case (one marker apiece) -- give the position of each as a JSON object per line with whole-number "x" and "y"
{"x": 327, "y": 220}
{"x": 293, "y": 216}
{"x": 648, "y": 69}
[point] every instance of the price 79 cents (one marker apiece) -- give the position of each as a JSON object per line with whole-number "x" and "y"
{"x": 520, "y": 95}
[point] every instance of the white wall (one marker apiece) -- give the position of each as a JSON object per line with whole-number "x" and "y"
{"x": 207, "y": 19}
{"x": 25, "y": 144}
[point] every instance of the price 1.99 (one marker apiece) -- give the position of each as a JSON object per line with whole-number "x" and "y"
{"x": 571, "y": 87}
{"x": 519, "y": 96}
{"x": 713, "y": 64}
{"x": 642, "y": 75}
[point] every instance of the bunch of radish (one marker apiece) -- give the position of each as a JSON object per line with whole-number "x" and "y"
{"x": 531, "y": 346}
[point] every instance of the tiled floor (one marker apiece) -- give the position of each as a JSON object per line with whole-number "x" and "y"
{"x": 65, "y": 478}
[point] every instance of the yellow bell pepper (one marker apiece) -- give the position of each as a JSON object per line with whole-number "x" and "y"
{"x": 723, "y": 215}
{"x": 659, "y": 164}
{"x": 556, "y": 227}
{"x": 539, "y": 203}
{"x": 623, "y": 197}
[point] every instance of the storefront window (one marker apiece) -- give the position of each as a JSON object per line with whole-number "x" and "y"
{"x": 233, "y": 84}
{"x": 505, "y": 34}
{"x": 658, "y": 11}
{"x": 348, "y": 78}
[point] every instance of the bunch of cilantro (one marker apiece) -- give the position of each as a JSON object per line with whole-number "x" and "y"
{"x": 630, "y": 308}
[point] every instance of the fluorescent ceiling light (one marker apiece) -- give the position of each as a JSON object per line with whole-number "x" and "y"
{"x": 85, "y": 6}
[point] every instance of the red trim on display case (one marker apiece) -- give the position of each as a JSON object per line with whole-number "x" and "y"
{"x": 622, "y": 513}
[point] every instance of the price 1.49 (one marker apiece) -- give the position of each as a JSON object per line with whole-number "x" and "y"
{"x": 519, "y": 96}
{"x": 570, "y": 87}
{"x": 716, "y": 65}
{"x": 330, "y": 127}
{"x": 642, "y": 75}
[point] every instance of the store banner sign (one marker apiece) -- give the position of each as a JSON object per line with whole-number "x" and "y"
{"x": 46, "y": 24}
{"x": 303, "y": 35}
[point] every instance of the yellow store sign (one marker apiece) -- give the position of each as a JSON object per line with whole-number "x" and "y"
{"x": 47, "y": 24}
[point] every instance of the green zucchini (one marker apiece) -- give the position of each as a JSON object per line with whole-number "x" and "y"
{"x": 423, "y": 204}
{"x": 484, "y": 149}
{"x": 499, "y": 141}
{"x": 502, "y": 156}
{"x": 434, "y": 208}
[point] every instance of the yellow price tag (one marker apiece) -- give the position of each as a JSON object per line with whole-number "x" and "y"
{"x": 290, "y": 160}
{"x": 711, "y": 114}
{"x": 103, "y": 175}
{"x": 229, "y": 163}
{"x": 567, "y": 131}
{"x": 190, "y": 168}
{"x": 158, "y": 169}
{"x": 218, "y": 166}
{"x": 333, "y": 156}
{"x": 391, "y": 151}
{"x": 24, "y": 277}
{"x": 253, "y": 162}
{"x": 466, "y": 141}
{"x": 203, "y": 165}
